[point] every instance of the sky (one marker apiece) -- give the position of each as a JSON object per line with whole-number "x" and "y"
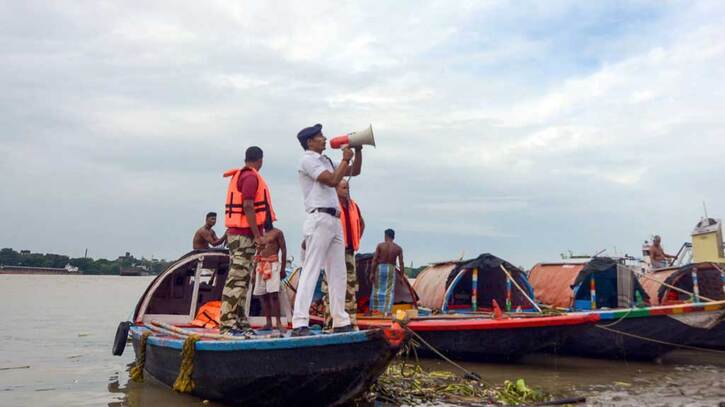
{"x": 522, "y": 129}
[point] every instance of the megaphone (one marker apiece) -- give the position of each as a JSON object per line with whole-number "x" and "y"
{"x": 354, "y": 139}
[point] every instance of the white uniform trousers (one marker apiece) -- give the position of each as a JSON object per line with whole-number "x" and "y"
{"x": 324, "y": 250}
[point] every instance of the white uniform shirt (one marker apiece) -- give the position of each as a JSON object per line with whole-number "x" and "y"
{"x": 317, "y": 195}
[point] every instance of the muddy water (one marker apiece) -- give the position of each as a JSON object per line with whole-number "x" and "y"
{"x": 56, "y": 335}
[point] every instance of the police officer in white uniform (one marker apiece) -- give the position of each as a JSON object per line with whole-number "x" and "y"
{"x": 325, "y": 248}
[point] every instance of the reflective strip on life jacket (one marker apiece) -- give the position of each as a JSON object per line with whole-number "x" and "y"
{"x": 234, "y": 216}
{"x": 351, "y": 226}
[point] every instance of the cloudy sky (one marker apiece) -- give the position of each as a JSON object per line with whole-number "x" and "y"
{"x": 523, "y": 129}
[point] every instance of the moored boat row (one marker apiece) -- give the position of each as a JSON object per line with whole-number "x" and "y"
{"x": 478, "y": 309}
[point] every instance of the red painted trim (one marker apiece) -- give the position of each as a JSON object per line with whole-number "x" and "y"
{"x": 450, "y": 324}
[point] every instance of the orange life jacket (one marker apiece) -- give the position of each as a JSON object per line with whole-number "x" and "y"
{"x": 352, "y": 226}
{"x": 208, "y": 315}
{"x": 234, "y": 211}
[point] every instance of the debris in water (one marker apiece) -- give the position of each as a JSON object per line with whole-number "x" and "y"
{"x": 14, "y": 367}
{"x": 623, "y": 384}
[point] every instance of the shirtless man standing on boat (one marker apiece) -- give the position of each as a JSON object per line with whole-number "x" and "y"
{"x": 205, "y": 236}
{"x": 268, "y": 273}
{"x": 382, "y": 274}
{"x": 657, "y": 254}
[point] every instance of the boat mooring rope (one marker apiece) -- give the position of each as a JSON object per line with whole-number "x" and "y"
{"x": 644, "y": 338}
{"x": 183, "y": 383}
{"x": 136, "y": 372}
{"x": 466, "y": 373}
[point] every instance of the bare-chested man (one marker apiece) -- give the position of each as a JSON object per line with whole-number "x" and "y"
{"x": 382, "y": 274}
{"x": 657, "y": 254}
{"x": 205, "y": 236}
{"x": 270, "y": 270}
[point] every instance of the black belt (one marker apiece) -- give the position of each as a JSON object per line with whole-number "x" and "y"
{"x": 330, "y": 211}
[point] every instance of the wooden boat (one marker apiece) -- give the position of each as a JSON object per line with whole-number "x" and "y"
{"x": 662, "y": 287}
{"x": 323, "y": 369}
{"x": 488, "y": 339}
{"x": 460, "y": 327}
{"x": 630, "y": 327}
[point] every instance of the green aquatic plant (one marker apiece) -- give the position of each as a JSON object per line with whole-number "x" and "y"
{"x": 519, "y": 393}
{"x": 411, "y": 385}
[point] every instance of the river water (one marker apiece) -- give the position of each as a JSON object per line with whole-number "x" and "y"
{"x": 55, "y": 350}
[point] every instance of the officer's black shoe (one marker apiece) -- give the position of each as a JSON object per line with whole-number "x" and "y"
{"x": 301, "y": 331}
{"x": 343, "y": 329}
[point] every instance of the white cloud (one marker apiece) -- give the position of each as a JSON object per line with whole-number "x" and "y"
{"x": 576, "y": 123}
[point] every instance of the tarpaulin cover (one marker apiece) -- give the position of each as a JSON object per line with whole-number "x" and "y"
{"x": 430, "y": 284}
{"x": 433, "y": 283}
{"x": 651, "y": 284}
{"x": 605, "y": 274}
{"x": 552, "y": 283}
{"x": 709, "y": 276}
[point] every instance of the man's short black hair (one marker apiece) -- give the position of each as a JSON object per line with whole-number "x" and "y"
{"x": 211, "y": 215}
{"x": 390, "y": 233}
{"x": 253, "y": 153}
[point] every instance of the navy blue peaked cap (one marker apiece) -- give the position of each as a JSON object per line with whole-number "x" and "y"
{"x": 308, "y": 133}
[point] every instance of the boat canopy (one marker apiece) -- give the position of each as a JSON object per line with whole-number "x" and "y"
{"x": 569, "y": 285}
{"x": 472, "y": 285}
{"x": 552, "y": 282}
{"x": 404, "y": 295}
{"x": 193, "y": 280}
{"x": 709, "y": 281}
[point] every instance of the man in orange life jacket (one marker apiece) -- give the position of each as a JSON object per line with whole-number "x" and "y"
{"x": 247, "y": 212}
{"x": 353, "y": 227}
{"x": 325, "y": 248}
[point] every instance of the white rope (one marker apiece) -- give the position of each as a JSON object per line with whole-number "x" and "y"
{"x": 677, "y": 345}
{"x": 520, "y": 289}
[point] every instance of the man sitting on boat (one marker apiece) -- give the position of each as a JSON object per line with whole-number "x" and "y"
{"x": 248, "y": 209}
{"x": 268, "y": 274}
{"x": 382, "y": 274}
{"x": 322, "y": 231}
{"x": 205, "y": 236}
{"x": 657, "y": 254}
{"x": 353, "y": 227}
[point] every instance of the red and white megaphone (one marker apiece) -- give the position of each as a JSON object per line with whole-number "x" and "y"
{"x": 354, "y": 139}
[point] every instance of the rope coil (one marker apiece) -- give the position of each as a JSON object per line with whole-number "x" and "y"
{"x": 136, "y": 372}
{"x": 184, "y": 383}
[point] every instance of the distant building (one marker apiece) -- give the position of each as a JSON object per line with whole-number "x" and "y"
{"x": 25, "y": 252}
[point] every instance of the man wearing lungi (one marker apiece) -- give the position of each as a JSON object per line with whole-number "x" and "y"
{"x": 383, "y": 272}
{"x": 322, "y": 230}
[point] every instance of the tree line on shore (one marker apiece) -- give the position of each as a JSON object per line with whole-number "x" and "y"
{"x": 86, "y": 265}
